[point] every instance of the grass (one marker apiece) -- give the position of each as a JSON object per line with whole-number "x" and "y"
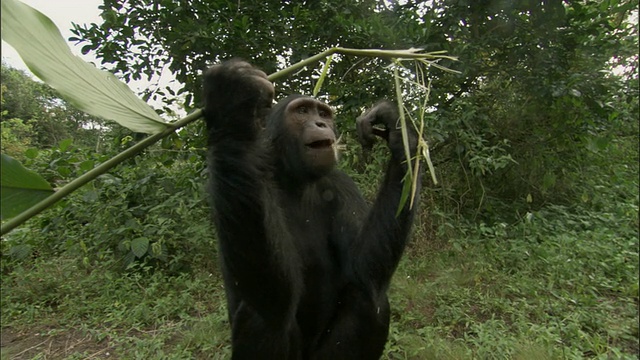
{"x": 560, "y": 283}
{"x": 540, "y": 295}
{"x": 525, "y": 291}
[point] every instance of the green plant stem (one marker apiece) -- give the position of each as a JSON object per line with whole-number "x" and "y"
{"x": 137, "y": 148}
{"x": 95, "y": 172}
{"x": 389, "y": 54}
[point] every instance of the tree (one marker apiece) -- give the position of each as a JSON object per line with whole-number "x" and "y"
{"x": 35, "y": 115}
{"x": 536, "y": 86}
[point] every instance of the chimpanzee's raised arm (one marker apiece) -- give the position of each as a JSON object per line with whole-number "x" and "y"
{"x": 237, "y": 98}
{"x": 253, "y": 236}
{"x": 381, "y": 241}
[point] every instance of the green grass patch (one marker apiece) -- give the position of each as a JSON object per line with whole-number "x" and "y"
{"x": 561, "y": 282}
{"x": 526, "y": 291}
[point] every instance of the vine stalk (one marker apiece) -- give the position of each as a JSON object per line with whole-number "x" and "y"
{"x": 18, "y": 220}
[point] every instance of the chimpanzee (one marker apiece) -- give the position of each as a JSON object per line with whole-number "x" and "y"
{"x": 306, "y": 261}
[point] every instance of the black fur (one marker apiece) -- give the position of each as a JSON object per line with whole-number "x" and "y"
{"x": 306, "y": 261}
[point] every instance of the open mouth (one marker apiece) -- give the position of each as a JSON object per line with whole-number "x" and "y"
{"x": 321, "y": 144}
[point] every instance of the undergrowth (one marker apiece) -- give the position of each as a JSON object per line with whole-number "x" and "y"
{"x": 560, "y": 282}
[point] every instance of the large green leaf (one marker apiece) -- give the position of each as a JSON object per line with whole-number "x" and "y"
{"x": 140, "y": 246}
{"x": 97, "y": 92}
{"x": 20, "y": 188}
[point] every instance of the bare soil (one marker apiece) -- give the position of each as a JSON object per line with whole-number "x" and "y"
{"x": 46, "y": 343}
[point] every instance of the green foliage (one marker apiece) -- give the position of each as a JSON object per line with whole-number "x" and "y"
{"x": 527, "y": 249}
{"x": 536, "y": 86}
{"x": 272, "y": 33}
{"x": 128, "y": 214}
{"x": 16, "y": 137}
{"x": 21, "y": 96}
{"x": 21, "y": 188}
{"x": 92, "y": 90}
{"x": 34, "y": 115}
{"x": 117, "y": 310}
{"x": 560, "y": 285}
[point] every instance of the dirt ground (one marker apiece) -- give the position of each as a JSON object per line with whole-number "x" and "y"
{"x": 46, "y": 343}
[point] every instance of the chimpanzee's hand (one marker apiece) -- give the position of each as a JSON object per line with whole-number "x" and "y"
{"x": 383, "y": 120}
{"x": 235, "y": 90}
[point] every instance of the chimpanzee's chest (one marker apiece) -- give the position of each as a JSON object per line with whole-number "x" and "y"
{"x": 311, "y": 230}
{"x": 311, "y": 233}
